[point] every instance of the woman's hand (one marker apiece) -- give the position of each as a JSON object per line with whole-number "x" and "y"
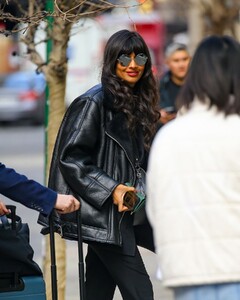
{"x": 118, "y": 195}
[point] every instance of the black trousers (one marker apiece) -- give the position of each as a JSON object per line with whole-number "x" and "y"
{"x": 106, "y": 269}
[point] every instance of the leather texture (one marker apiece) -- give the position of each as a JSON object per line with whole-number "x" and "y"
{"x": 92, "y": 155}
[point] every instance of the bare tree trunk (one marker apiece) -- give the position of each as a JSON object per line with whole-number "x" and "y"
{"x": 195, "y": 25}
{"x": 56, "y": 77}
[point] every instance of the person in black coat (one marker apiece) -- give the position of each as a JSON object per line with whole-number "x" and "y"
{"x": 32, "y": 194}
{"x": 100, "y": 154}
{"x": 177, "y": 60}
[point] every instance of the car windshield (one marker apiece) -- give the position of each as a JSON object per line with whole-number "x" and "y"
{"x": 25, "y": 81}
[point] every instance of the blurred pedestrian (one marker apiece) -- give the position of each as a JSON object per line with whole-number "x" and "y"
{"x": 100, "y": 153}
{"x": 177, "y": 60}
{"x": 32, "y": 194}
{"x": 193, "y": 179}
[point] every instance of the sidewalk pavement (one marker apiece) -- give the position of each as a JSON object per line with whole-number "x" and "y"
{"x": 72, "y": 291}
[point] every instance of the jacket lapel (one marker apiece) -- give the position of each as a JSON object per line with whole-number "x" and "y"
{"x": 117, "y": 129}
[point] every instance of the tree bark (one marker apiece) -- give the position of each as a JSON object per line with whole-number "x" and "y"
{"x": 56, "y": 72}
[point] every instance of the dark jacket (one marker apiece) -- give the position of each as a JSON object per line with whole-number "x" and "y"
{"x": 28, "y": 192}
{"x": 93, "y": 154}
{"x": 166, "y": 84}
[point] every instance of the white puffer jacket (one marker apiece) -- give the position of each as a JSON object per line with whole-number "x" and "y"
{"x": 193, "y": 186}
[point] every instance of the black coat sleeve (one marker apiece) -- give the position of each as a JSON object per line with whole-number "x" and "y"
{"x": 80, "y": 134}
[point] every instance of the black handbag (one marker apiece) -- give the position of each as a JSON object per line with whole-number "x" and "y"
{"x": 16, "y": 254}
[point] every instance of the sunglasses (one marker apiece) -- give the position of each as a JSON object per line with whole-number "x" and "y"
{"x": 140, "y": 59}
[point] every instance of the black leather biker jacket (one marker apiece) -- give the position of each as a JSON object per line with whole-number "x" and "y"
{"x": 92, "y": 155}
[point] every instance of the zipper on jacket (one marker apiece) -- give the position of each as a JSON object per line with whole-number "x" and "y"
{"x": 134, "y": 171}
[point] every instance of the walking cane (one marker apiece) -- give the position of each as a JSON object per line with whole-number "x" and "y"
{"x": 53, "y": 259}
{"x": 80, "y": 257}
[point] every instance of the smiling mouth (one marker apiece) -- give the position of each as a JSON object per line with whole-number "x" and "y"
{"x": 132, "y": 74}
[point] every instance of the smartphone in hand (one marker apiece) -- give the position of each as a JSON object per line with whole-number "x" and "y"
{"x": 129, "y": 199}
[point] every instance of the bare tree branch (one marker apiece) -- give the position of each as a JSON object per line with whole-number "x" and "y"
{"x": 65, "y": 13}
{"x": 70, "y": 11}
{"x": 219, "y": 16}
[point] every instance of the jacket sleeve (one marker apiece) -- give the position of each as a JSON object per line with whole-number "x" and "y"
{"x": 81, "y": 133}
{"x": 25, "y": 191}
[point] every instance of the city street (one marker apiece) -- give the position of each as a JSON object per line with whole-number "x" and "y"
{"x": 22, "y": 147}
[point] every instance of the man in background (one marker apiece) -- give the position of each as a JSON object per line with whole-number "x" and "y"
{"x": 177, "y": 60}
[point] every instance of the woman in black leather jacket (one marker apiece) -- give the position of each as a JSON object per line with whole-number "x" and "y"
{"x": 103, "y": 141}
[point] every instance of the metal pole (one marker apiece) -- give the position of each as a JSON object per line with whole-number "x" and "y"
{"x": 53, "y": 259}
{"x": 80, "y": 257}
{"x": 49, "y": 45}
{"x": 49, "y": 8}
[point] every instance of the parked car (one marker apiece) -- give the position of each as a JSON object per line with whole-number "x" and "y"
{"x": 22, "y": 97}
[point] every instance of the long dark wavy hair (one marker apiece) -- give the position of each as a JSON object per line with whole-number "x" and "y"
{"x": 214, "y": 74}
{"x": 140, "y": 104}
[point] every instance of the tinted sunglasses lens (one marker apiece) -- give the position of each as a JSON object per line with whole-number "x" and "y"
{"x": 141, "y": 59}
{"x": 124, "y": 60}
